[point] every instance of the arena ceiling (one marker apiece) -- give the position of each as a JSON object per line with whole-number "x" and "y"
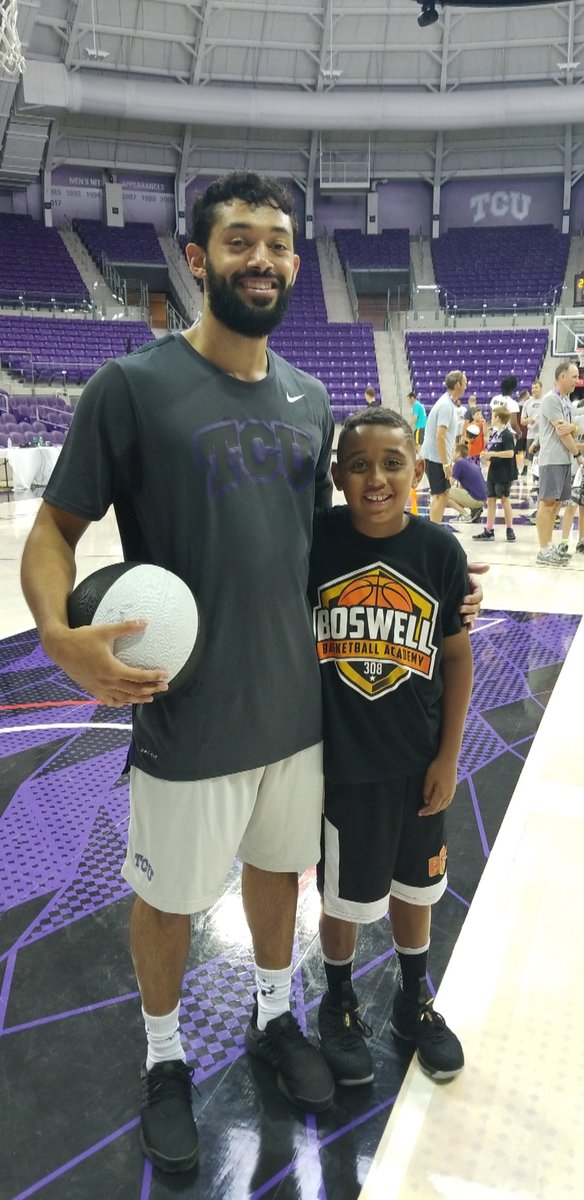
{"x": 190, "y": 87}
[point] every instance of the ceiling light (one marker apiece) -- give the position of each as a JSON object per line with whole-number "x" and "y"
{"x": 428, "y": 15}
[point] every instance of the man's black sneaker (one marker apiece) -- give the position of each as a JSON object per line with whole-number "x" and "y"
{"x": 301, "y": 1072}
{"x": 476, "y": 516}
{"x": 486, "y": 536}
{"x": 169, "y": 1134}
{"x": 510, "y": 534}
{"x": 438, "y": 1049}
{"x": 342, "y": 1035}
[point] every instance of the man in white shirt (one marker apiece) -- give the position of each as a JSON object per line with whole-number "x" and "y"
{"x": 530, "y": 415}
{"x": 505, "y": 399}
{"x": 439, "y": 443}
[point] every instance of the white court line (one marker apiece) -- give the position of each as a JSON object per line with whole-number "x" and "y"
{"x": 65, "y": 725}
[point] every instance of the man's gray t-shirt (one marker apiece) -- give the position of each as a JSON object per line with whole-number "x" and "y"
{"x": 531, "y": 409}
{"x": 444, "y": 412}
{"x": 552, "y": 451}
{"x": 217, "y": 480}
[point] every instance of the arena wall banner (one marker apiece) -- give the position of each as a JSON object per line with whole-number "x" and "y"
{"x": 501, "y": 200}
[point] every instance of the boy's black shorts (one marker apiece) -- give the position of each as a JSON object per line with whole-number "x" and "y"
{"x": 498, "y": 490}
{"x": 374, "y": 843}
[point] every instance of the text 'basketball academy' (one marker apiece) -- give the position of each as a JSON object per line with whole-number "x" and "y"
{"x": 378, "y": 629}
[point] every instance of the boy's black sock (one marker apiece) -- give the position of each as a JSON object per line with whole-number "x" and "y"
{"x": 412, "y": 969}
{"x": 336, "y": 975}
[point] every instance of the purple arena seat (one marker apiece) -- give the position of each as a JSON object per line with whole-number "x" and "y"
{"x": 36, "y": 265}
{"x": 501, "y": 267}
{"x": 388, "y": 250}
{"x": 58, "y": 350}
{"x": 469, "y": 351}
{"x": 135, "y": 242}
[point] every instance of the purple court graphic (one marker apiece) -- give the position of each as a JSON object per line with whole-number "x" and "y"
{"x": 71, "y": 1032}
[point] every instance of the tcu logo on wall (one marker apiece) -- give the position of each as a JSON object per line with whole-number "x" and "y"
{"x": 500, "y": 204}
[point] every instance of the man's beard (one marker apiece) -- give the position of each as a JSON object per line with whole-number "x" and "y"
{"x": 232, "y": 310}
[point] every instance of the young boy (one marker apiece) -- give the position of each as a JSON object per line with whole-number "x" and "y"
{"x": 476, "y": 442}
{"x": 502, "y": 463}
{"x": 397, "y": 675}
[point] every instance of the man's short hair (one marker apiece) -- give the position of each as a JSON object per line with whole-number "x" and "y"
{"x": 369, "y": 390}
{"x": 375, "y": 416}
{"x": 524, "y": 394}
{"x": 453, "y": 378}
{"x": 255, "y": 190}
{"x": 462, "y": 450}
{"x": 410, "y": 395}
{"x": 563, "y": 366}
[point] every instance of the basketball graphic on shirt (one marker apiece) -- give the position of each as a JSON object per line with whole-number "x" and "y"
{"x": 377, "y": 628}
{"x": 376, "y": 589}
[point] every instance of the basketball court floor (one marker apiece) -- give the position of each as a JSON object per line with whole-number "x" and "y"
{"x": 505, "y": 951}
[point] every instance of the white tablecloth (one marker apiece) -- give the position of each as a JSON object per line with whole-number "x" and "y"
{"x": 31, "y": 465}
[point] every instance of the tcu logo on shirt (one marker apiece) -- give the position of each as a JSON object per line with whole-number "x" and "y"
{"x": 258, "y": 451}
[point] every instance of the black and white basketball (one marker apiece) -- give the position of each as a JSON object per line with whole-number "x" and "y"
{"x": 140, "y": 591}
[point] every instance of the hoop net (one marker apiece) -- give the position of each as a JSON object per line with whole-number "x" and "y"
{"x": 11, "y": 58}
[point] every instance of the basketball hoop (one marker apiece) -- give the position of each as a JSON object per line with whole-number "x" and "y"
{"x": 11, "y": 58}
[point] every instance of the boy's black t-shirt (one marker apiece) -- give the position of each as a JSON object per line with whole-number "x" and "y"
{"x": 381, "y": 608}
{"x": 217, "y": 480}
{"x": 502, "y": 470}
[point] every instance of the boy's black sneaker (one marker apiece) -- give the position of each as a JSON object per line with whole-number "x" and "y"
{"x": 510, "y": 535}
{"x": 168, "y": 1134}
{"x": 486, "y": 536}
{"x": 413, "y": 1019}
{"x": 302, "y": 1075}
{"x": 342, "y": 1035}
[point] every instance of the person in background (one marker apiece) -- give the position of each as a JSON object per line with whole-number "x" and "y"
{"x": 505, "y": 399}
{"x": 530, "y": 417}
{"x": 468, "y": 413}
{"x": 467, "y": 486}
{"x": 370, "y": 397}
{"x": 418, "y": 418}
{"x": 557, "y": 447}
{"x": 500, "y": 455}
{"x": 439, "y": 443}
{"x": 476, "y": 435}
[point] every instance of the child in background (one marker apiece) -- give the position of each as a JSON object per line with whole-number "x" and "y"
{"x": 386, "y": 589}
{"x": 476, "y": 442}
{"x": 500, "y": 455}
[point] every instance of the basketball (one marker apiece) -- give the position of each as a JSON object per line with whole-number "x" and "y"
{"x": 135, "y": 591}
{"x": 359, "y": 591}
{"x": 394, "y": 595}
{"x": 376, "y": 590}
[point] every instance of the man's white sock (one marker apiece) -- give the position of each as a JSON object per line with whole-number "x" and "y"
{"x": 163, "y": 1035}
{"x": 273, "y": 994}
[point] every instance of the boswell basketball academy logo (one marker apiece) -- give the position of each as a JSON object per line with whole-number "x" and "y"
{"x": 377, "y": 628}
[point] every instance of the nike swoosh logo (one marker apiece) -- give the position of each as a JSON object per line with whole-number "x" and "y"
{"x": 293, "y": 399}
